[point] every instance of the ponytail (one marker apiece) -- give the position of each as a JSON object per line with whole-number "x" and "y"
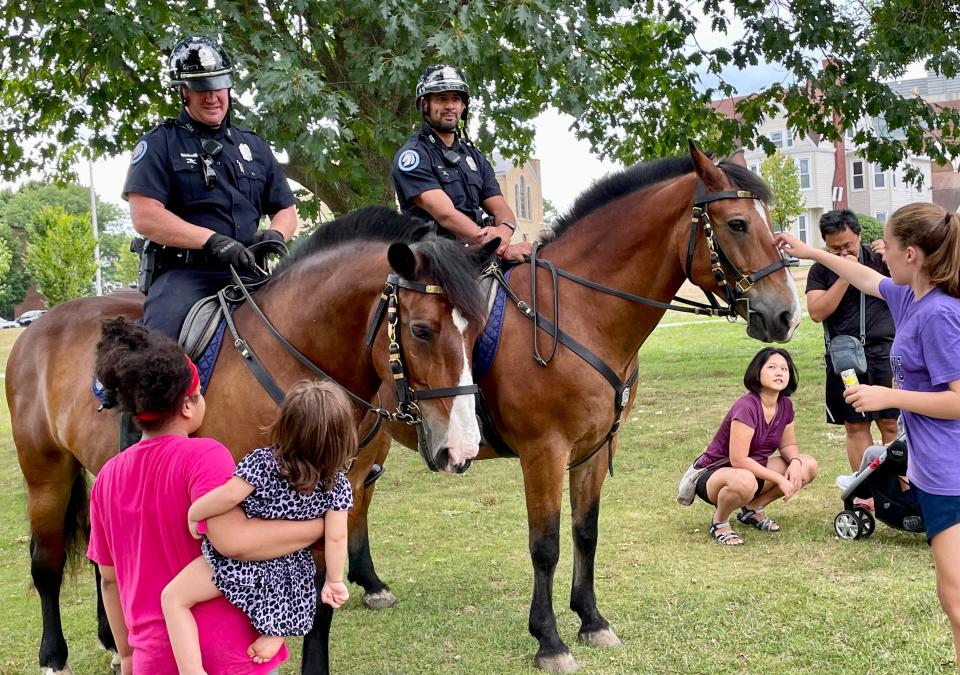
{"x": 936, "y": 232}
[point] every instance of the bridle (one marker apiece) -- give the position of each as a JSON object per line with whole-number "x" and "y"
{"x": 742, "y": 283}
{"x": 407, "y": 411}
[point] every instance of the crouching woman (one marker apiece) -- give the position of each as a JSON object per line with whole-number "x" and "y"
{"x": 741, "y": 469}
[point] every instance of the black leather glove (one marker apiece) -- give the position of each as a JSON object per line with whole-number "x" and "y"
{"x": 268, "y": 235}
{"x": 229, "y": 251}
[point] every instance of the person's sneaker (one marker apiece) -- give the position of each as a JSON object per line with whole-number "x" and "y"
{"x": 845, "y": 480}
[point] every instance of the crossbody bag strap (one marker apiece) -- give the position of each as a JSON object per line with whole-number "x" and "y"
{"x": 863, "y": 319}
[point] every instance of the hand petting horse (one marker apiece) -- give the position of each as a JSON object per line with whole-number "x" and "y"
{"x": 603, "y": 280}
{"x": 325, "y": 300}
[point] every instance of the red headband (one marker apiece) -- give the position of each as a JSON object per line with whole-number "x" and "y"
{"x": 192, "y": 389}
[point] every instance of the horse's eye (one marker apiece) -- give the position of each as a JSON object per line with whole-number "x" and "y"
{"x": 422, "y": 331}
{"x": 737, "y": 224}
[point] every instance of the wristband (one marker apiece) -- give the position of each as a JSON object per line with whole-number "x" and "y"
{"x": 796, "y": 459}
{"x": 513, "y": 228}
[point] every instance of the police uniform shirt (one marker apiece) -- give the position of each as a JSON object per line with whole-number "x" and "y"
{"x": 167, "y": 165}
{"x": 420, "y": 165}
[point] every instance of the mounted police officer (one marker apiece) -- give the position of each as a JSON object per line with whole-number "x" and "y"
{"x": 198, "y": 186}
{"x": 441, "y": 177}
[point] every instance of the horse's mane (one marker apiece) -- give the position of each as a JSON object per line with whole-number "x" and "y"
{"x": 644, "y": 174}
{"x": 449, "y": 264}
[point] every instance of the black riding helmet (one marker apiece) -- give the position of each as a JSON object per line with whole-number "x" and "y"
{"x": 441, "y": 77}
{"x": 200, "y": 64}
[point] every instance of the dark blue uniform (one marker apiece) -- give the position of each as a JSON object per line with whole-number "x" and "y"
{"x": 462, "y": 172}
{"x": 167, "y": 165}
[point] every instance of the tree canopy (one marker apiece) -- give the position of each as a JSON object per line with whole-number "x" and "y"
{"x": 781, "y": 175}
{"x": 60, "y": 254}
{"x": 331, "y": 82}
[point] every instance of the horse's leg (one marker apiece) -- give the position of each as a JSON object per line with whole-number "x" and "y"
{"x": 543, "y": 485}
{"x": 585, "y": 484}
{"x": 376, "y": 594}
{"x": 57, "y": 507}
{"x": 316, "y": 643}
{"x": 104, "y": 634}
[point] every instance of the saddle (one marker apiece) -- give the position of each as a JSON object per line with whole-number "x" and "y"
{"x": 201, "y": 324}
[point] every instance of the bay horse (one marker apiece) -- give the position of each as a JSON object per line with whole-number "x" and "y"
{"x": 641, "y": 232}
{"x": 322, "y": 299}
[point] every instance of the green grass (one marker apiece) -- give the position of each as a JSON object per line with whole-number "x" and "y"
{"x": 454, "y": 550}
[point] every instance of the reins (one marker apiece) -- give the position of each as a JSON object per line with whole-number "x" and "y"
{"x": 407, "y": 411}
{"x": 622, "y": 388}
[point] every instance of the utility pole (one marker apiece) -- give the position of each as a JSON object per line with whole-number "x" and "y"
{"x": 96, "y": 231}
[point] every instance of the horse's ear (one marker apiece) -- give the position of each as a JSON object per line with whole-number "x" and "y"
{"x": 713, "y": 178}
{"x": 402, "y": 260}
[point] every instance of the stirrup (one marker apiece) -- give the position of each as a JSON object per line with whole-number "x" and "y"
{"x": 375, "y": 472}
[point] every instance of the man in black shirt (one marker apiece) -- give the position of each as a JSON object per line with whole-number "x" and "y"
{"x": 836, "y": 304}
{"x": 441, "y": 177}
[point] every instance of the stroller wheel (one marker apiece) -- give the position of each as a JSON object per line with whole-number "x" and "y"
{"x": 867, "y": 521}
{"x": 847, "y": 525}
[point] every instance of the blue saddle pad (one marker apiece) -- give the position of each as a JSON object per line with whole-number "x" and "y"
{"x": 485, "y": 349}
{"x": 204, "y": 365}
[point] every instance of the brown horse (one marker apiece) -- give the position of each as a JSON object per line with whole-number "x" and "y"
{"x": 322, "y": 300}
{"x": 640, "y": 232}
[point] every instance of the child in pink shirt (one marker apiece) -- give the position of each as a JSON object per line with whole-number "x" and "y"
{"x": 139, "y": 503}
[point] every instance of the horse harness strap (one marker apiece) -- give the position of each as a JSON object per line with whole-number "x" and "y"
{"x": 407, "y": 410}
{"x": 621, "y": 388}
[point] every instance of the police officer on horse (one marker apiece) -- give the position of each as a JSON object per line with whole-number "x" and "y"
{"x": 198, "y": 186}
{"x": 441, "y": 177}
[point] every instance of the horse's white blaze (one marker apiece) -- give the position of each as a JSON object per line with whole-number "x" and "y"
{"x": 795, "y": 312}
{"x": 463, "y": 433}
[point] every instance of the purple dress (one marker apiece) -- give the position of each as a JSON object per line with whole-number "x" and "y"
{"x": 280, "y": 595}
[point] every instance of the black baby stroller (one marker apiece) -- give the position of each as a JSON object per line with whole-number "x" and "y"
{"x": 882, "y": 477}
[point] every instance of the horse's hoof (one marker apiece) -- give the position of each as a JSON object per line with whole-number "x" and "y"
{"x": 605, "y": 637}
{"x": 382, "y": 600}
{"x": 556, "y": 663}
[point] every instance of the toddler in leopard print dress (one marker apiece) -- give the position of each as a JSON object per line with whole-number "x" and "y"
{"x": 299, "y": 477}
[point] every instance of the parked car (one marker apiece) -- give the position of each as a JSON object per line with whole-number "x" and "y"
{"x": 7, "y": 323}
{"x": 29, "y": 317}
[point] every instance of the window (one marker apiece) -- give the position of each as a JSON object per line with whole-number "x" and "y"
{"x": 881, "y": 216}
{"x": 789, "y": 136}
{"x": 893, "y": 177}
{"x": 776, "y": 137}
{"x": 802, "y": 228}
{"x": 755, "y": 168}
{"x": 803, "y": 172}
{"x": 522, "y": 193}
{"x": 879, "y": 176}
{"x": 529, "y": 205}
{"x": 857, "y": 171}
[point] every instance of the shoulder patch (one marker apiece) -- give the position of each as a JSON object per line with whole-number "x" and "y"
{"x": 139, "y": 151}
{"x": 408, "y": 160}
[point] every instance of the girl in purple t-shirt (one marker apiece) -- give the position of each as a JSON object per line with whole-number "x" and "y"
{"x": 923, "y": 292}
{"x": 741, "y": 471}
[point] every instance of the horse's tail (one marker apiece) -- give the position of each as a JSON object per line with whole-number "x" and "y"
{"x": 76, "y": 523}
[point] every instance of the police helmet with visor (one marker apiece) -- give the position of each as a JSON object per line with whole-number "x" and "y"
{"x": 200, "y": 64}
{"x": 440, "y": 78}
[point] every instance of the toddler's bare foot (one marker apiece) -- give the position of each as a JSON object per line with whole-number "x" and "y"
{"x": 265, "y": 648}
